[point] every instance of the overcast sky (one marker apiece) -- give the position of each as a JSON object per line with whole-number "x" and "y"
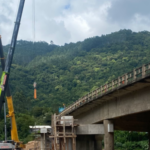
{"x": 65, "y": 21}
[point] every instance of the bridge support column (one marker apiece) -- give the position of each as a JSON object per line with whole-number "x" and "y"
{"x": 109, "y": 135}
{"x": 42, "y": 141}
{"x": 98, "y": 142}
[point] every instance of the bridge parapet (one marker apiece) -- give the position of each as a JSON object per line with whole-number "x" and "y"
{"x": 120, "y": 82}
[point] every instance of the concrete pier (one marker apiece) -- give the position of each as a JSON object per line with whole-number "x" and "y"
{"x": 109, "y": 135}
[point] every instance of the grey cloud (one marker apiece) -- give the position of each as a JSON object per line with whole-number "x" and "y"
{"x": 7, "y": 6}
{"x": 53, "y": 30}
{"x": 4, "y": 19}
{"x": 125, "y": 10}
{"x": 6, "y": 12}
{"x": 66, "y": 21}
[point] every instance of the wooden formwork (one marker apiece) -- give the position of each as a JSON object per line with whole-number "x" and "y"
{"x": 63, "y": 133}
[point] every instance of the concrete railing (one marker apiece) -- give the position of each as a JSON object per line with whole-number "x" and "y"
{"x": 136, "y": 74}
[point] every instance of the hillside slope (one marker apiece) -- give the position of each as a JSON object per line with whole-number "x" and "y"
{"x": 65, "y": 73}
{"x": 68, "y": 72}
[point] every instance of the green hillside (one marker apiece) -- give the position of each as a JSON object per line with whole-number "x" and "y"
{"x": 65, "y": 73}
{"x": 68, "y": 72}
{"x": 26, "y": 51}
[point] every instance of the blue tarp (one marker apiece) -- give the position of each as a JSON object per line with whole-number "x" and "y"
{"x": 61, "y": 109}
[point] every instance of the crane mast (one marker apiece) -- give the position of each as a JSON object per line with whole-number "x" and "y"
{"x": 4, "y": 87}
{"x": 6, "y": 72}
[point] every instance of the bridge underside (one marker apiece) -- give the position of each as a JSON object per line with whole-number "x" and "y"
{"x": 128, "y": 109}
{"x": 125, "y": 107}
{"x": 135, "y": 122}
{"x": 129, "y": 106}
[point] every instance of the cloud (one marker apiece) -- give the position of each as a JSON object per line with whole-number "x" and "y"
{"x": 130, "y": 14}
{"x": 52, "y": 30}
{"x": 87, "y": 22}
{"x": 125, "y": 10}
{"x": 7, "y": 13}
{"x": 67, "y": 6}
{"x": 65, "y": 21}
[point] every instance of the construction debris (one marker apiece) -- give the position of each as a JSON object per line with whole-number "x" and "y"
{"x": 33, "y": 145}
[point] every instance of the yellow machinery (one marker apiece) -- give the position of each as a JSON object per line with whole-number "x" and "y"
{"x": 11, "y": 114}
{"x": 14, "y": 131}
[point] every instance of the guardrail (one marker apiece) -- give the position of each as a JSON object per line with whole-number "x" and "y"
{"x": 121, "y": 81}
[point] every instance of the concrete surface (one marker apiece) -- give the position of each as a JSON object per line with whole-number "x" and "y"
{"x": 108, "y": 137}
{"x": 90, "y": 129}
{"x": 131, "y": 103}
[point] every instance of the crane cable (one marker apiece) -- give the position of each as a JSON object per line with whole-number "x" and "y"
{"x": 33, "y": 24}
{"x": 33, "y": 19}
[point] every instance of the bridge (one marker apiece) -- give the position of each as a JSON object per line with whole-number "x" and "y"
{"x": 122, "y": 104}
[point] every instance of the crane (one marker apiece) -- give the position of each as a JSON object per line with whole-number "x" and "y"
{"x": 11, "y": 114}
{"x": 4, "y": 87}
{"x": 6, "y": 72}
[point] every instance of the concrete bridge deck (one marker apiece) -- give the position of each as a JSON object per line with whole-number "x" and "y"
{"x": 123, "y": 103}
{"x": 128, "y": 83}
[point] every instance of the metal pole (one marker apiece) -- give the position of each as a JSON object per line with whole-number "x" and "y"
{"x": 5, "y": 121}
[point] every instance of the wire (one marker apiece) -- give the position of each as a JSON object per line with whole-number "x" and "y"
{"x": 33, "y": 24}
{"x": 33, "y": 19}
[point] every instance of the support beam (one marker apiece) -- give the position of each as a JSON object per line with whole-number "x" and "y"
{"x": 109, "y": 135}
{"x": 90, "y": 129}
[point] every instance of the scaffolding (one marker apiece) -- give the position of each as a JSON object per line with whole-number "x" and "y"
{"x": 63, "y": 135}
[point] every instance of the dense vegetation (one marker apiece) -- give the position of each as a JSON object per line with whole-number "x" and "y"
{"x": 65, "y": 73}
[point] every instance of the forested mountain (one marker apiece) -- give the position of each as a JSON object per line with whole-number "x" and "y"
{"x": 26, "y": 51}
{"x": 65, "y": 73}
